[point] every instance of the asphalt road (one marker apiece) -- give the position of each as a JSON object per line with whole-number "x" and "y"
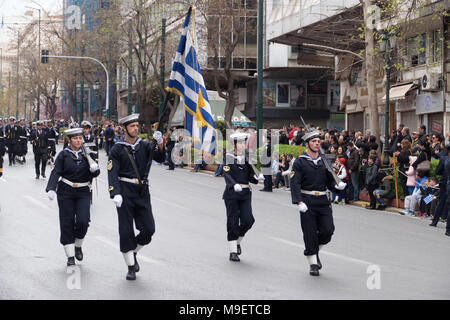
{"x": 400, "y": 257}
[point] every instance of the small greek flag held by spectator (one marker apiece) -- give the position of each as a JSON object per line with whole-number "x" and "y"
{"x": 428, "y": 199}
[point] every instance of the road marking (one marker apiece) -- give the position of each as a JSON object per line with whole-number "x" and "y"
{"x": 38, "y": 203}
{"x": 116, "y": 246}
{"x": 335, "y": 255}
{"x": 170, "y": 203}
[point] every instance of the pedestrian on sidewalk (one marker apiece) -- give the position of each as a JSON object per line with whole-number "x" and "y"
{"x": 237, "y": 196}
{"x": 73, "y": 191}
{"x": 310, "y": 180}
{"x": 372, "y": 181}
{"x": 128, "y": 168}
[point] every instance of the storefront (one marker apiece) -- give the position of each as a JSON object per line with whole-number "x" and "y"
{"x": 430, "y": 108}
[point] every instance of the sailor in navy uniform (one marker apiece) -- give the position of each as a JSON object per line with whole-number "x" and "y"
{"x": 71, "y": 181}
{"x": 12, "y": 133}
{"x": 23, "y": 142}
{"x": 238, "y": 173}
{"x": 52, "y": 140}
{"x": 128, "y": 188}
{"x": 309, "y": 183}
{"x": 90, "y": 140}
{"x": 2, "y": 146}
{"x": 39, "y": 140}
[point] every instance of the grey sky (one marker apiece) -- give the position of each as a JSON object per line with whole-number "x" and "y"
{"x": 13, "y": 11}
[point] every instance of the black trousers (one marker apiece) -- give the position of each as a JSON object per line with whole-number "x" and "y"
{"x": 12, "y": 152}
{"x": 373, "y": 199}
{"x": 169, "y": 159}
{"x": 74, "y": 216}
{"x": 442, "y": 205}
{"x": 239, "y": 218}
{"x": 268, "y": 184}
{"x": 317, "y": 226}
{"x": 40, "y": 162}
{"x": 402, "y": 179}
{"x": 138, "y": 210}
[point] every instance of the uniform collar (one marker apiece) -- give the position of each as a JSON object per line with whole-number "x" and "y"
{"x": 307, "y": 157}
{"x": 240, "y": 159}
{"x": 133, "y": 146}
{"x": 75, "y": 153}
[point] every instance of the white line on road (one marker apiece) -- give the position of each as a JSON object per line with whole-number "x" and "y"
{"x": 169, "y": 203}
{"x": 335, "y": 255}
{"x": 38, "y": 203}
{"x": 116, "y": 246}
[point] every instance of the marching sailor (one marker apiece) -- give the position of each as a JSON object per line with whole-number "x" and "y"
{"x": 238, "y": 173}
{"x": 73, "y": 193}
{"x": 90, "y": 140}
{"x": 2, "y": 146}
{"x": 39, "y": 139}
{"x": 12, "y": 133}
{"x": 309, "y": 183}
{"x": 52, "y": 140}
{"x": 128, "y": 168}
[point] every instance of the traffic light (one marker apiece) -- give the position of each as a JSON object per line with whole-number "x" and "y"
{"x": 43, "y": 58}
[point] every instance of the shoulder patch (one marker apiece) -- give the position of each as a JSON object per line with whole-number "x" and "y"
{"x": 111, "y": 188}
{"x": 110, "y": 165}
{"x": 292, "y": 174}
{"x": 226, "y": 168}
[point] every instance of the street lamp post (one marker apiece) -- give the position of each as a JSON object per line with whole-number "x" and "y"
{"x": 39, "y": 78}
{"x": 96, "y": 87}
{"x": 386, "y": 44}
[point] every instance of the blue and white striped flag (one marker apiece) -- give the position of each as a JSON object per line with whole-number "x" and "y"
{"x": 428, "y": 199}
{"x": 186, "y": 80}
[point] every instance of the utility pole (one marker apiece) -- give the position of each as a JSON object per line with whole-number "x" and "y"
{"x": 17, "y": 76}
{"x": 130, "y": 70}
{"x": 9, "y": 88}
{"x": 163, "y": 67}
{"x": 259, "y": 113}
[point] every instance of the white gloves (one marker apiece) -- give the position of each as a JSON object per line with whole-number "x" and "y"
{"x": 302, "y": 207}
{"x": 94, "y": 167}
{"x": 260, "y": 177}
{"x": 341, "y": 186}
{"x": 117, "y": 200}
{"x": 51, "y": 195}
{"x": 237, "y": 187}
{"x": 158, "y": 137}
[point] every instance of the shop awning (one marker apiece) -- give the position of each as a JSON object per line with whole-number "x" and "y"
{"x": 399, "y": 93}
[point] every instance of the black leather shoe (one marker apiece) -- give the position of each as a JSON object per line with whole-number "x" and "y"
{"x": 131, "y": 275}
{"x": 37, "y": 176}
{"x": 239, "y": 250}
{"x": 234, "y": 257}
{"x": 70, "y": 261}
{"x": 43, "y": 176}
{"x": 318, "y": 262}
{"x": 433, "y": 224}
{"x": 264, "y": 190}
{"x": 136, "y": 264}
{"x": 314, "y": 270}
{"x": 78, "y": 253}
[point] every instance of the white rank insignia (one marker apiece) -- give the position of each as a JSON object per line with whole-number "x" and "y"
{"x": 292, "y": 174}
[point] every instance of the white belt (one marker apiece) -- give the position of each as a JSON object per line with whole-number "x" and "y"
{"x": 23, "y": 137}
{"x": 75, "y": 184}
{"x": 51, "y": 139}
{"x": 134, "y": 180}
{"x": 90, "y": 144}
{"x": 314, "y": 193}
{"x": 245, "y": 186}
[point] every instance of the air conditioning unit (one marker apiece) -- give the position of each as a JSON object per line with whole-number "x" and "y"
{"x": 432, "y": 81}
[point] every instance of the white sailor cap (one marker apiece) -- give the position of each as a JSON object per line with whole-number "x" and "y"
{"x": 86, "y": 123}
{"x": 12, "y": 118}
{"x": 311, "y": 135}
{"x": 39, "y": 122}
{"x": 74, "y": 132}
{"x": 129, "y": 119}
{"x": 239, "y": 136}
{"x": 33, "y": 123}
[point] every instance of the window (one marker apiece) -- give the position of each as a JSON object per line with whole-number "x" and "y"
{"x": 417, "y": 49}
{"x": 438, "y": 45}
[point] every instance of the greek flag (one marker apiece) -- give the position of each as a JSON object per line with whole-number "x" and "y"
{"x": 428, "y": 199}
{"x": 186, "y": 80}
